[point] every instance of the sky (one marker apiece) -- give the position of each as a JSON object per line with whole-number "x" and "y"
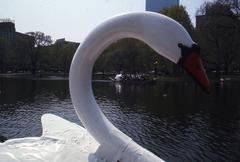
{"x": 72, "y": 19}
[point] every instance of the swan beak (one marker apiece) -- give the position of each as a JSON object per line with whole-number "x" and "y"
{"x": 192, "y": 63}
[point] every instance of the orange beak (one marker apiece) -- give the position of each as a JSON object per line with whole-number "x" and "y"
{"x": 192, "y": 63}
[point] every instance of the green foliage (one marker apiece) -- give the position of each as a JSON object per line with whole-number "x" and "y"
{"x": 219, "y": 35}
{"x": 128, "y": 55}
{"x": 57, "y": 57}
{"x": 7, "y": 56}
{"x": 65, "y": 56}
{"x": 132, "y": 56}
{"x": 36, "y": 53}
{"x": 38, "y": 41}
{"x": 3, "y": 45}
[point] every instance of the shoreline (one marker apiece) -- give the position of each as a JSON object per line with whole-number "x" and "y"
{"x": 52, "y": 75}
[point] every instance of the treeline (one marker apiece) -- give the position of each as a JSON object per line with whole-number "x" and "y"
{"x": 133, "y": 56}
{"x": 217, "y": 32}
{"x": 35, "y": 53}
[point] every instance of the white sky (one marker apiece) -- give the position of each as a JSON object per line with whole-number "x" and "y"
{"x": 72, "y": 19}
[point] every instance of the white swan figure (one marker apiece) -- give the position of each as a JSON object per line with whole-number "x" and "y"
{"x": 63, "y": 141}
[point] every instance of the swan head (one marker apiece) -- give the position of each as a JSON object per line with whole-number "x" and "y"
{"x": 171, "y": 40}
{"x": 191, "y": 62}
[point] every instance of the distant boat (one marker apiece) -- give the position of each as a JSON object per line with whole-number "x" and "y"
{"x": 133, "y": 79}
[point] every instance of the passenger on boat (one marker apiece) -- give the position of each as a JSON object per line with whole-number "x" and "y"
{"x": 118, "y": 77}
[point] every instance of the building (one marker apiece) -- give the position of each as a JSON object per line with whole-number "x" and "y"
{"x": 14, "y": 47}
{"x": 60, "y": 41}
{"x": 157, "y": 5}
{"x": 11, "y": 36}
{"x": 7, "y": 31}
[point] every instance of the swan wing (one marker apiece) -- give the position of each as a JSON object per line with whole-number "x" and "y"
{"x": 61, "y": 141}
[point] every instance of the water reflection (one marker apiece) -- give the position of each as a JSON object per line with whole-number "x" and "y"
{"x": 118, "y": 87}
{"x": 23, "y": 101}
{"x": 175, "y": 120}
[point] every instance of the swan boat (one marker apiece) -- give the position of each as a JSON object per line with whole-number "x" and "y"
{"x": 100, "y": 140}
{"x": 135, "y": 80}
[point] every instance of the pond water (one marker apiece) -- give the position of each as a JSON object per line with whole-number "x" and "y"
{"x": 175, "y": 120}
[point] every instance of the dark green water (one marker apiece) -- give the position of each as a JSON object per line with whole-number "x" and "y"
{"x": 175, "y": 120}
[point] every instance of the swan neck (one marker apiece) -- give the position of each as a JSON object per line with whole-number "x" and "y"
{"x": 85, "y": 105}
{"x": 151, "y": 28}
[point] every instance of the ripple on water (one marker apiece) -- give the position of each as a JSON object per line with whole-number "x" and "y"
{"x": 187, "y": 126}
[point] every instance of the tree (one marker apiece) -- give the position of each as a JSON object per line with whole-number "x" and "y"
{"x": 35, "y": 44}
{"x": 3, "y": 49}
{"x": 65, "y": 56}
{"x": 133, "y": 56}
{"x": 233, "y": 4}
{"x": 7, "y": 56}
{"x": 220, "y": 33}
{"x": 128, "y": 55}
